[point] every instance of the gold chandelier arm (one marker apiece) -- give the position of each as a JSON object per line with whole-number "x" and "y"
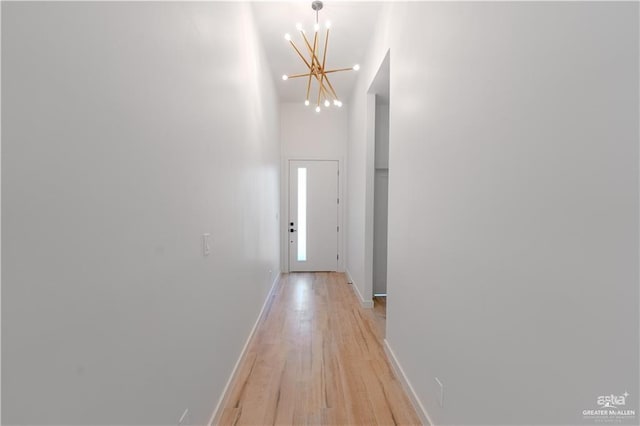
{"x": 338, "y": 70}
{"x": 299, "y": 75}
{"x": 317, "y": 75}
{"x": 315, "y": 44}
{"x": 308, "y": 86}
{"x": 324, "y": 55}
{"x": 300, "y": 54}
{"x": 324, "y": 59}
{"x": 320, "y": 88}
{"x": 314, "y": 58}
{"x": 326, "y": 78}
{"x": 308, "y": 74}
{"x": 311, "y": 70}
{"x": 323, "y": 88}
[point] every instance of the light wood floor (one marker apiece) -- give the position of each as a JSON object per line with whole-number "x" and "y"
{"x": 316, "y": 358}
{"x": 380, "y": 313}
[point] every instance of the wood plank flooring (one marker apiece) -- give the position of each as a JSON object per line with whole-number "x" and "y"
{"x": 316, "y": 358}
{"x": 380, "y": 313}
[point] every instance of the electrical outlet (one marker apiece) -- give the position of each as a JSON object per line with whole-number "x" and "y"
{"x": 184, "y": 419}
{"x": 441, "y": 387}
{"x": 206, "y": 248}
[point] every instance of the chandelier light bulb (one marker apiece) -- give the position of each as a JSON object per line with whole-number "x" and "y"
{"x": 356, "y": 67}
{"x": 306, "y": 102}
{"x": 328, "y": 24}
{"x": 316, "y": 27}
{"x": 287, "y": 37}
{"x": 299, "y": 26}
{"x": 339, "y": 104}
{"x": 317, "y": 109}
{"x": 335, "y": 102}
{"x": 327, "y": 103}
{"x": 285, "y": 77}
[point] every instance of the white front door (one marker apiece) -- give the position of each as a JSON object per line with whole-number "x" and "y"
{"x": 313, "y": 215}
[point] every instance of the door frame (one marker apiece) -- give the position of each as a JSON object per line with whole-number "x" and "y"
{"x": 284, "y": 208}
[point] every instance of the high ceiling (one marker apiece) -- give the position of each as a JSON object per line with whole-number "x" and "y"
{"x": 351, "y": 28}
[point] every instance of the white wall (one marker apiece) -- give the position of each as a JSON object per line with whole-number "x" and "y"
{"x": 307, "y": 135}
{"x": 513, "y": 216}
{"x": 130, "y": 129}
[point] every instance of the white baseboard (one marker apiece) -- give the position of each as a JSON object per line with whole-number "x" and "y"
{"x": 367, "y": 304}
{"x": 216, "y": 413}
{"x": 422, "y": 412}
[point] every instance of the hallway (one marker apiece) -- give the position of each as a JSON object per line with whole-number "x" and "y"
{"x": 167, "y": 164}
{"x": 316, "y": 358}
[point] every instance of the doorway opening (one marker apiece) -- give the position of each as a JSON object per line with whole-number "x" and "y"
{"x": 313, "y": 223}
{"x": 378, "y": 188}
{"x": 381, "y": 197}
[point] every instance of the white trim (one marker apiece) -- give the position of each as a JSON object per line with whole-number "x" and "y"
{"x": 267, "y": 300}
{"x": 367, "y": 304}
{"x": 417, "y": 405}
{"x": 370, "y": 147}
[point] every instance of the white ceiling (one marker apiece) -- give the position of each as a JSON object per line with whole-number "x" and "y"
{"x": 351, "y": 29}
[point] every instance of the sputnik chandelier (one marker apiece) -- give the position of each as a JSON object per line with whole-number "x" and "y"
{"x": 316, "y": 69}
